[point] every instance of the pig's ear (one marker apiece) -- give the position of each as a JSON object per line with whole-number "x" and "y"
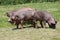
{"x": 7, "y": 14}
{"x": 16, "y": 17}
{"x": 56, "y": 22}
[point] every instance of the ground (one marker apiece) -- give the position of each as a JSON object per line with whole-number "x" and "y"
{"x": 7, "y": 32}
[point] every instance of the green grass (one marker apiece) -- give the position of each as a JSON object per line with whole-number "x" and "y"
{"x": 6, "y": 32}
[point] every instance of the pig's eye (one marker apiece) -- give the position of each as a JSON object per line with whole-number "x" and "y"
{"x": 12, "y": 19}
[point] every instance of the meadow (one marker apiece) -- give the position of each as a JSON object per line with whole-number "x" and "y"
{"x": 6, "y": 32}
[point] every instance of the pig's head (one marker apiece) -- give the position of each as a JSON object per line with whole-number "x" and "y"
{"x": 52, "y": 23}
{"x": 11, "y": 18}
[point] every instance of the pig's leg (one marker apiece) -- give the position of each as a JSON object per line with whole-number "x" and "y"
{"x": 35, "y": 23}
{"x": 41, "y": 24}
{"x": 17, "y": 26}
{"x": 22, "y": 24}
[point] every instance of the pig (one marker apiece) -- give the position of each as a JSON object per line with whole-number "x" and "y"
{"x": 20, "y": 15}
{"x": 44, "y": 17}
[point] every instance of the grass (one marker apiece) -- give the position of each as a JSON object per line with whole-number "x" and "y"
{"x": 6, "y": 32}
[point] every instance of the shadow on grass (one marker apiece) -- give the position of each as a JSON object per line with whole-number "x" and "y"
{"x": 20, "y": 28}
{"x": 29, "y": 27}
